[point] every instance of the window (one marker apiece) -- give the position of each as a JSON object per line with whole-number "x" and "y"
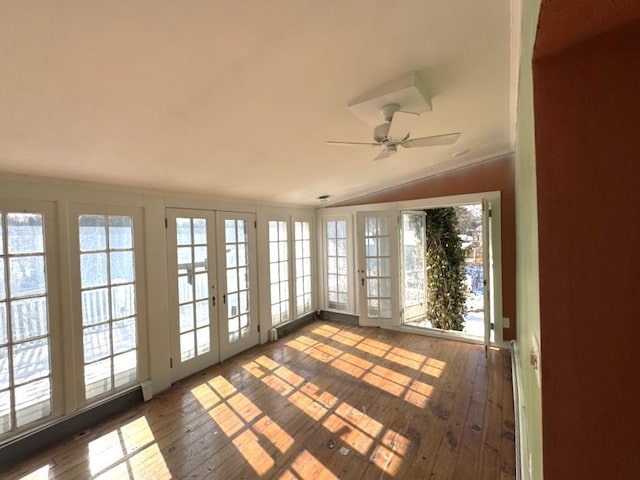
{"x": 337, "y": 265}
{"x": 302, "y": 238}
{"x": 108, "y": 291}
{"x": 25, "y": 357}
{"x": 279, "y": 271}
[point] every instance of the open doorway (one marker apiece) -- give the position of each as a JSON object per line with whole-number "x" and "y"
{"x": 445, "y": 255}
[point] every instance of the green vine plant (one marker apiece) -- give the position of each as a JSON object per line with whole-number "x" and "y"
{"x": 445, "y": 256}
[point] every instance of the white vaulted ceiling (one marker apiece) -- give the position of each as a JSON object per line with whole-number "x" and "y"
{"x": 236, "y": 99}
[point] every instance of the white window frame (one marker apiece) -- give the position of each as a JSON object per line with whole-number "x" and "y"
{"x": 55, "y": 330}
{"x": 290, "y": 269}
{"x": 290, "y": 216}
{"x": 75, "y": 211}
{"x": 312, "y": 250}
{"x": 416, "y": 310}
{"x": 351, "y": 290}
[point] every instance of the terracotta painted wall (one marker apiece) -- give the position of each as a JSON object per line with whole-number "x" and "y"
{"x": 490, "y": 175}
{"x": 587, "y": 116}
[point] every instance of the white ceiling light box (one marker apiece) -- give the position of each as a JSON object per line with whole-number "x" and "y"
{"x": 406, "y": 91}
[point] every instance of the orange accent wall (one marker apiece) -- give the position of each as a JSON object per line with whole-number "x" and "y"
{"x": 587, "y": 117}
{"x": 490, "y": 175}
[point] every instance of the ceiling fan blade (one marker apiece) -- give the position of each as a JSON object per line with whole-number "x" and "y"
{"x": 434, "y": 140}
{"x": 369, "y": 144}
{"x": 386, "y": 152}
{"x": 401, "y": 124}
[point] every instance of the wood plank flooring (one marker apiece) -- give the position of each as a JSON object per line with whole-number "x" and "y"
{"x": 329, "y": 401}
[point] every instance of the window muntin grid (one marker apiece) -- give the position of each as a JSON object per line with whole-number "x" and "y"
{"x": 279, "y": 271}
{"x": 378, "y": 267}
{"x": 237, "y": 296}
{"x": 302, "y": 238}
{"x": 109, "y": 313}
{"x": 25, "y": 356}
{"x": 193, "y": 287}
{"x": 337, "y": 267}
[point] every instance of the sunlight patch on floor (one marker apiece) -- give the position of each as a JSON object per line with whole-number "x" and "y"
{"x": 247, "y": 444}
{"x": 272, "y": 431}
{"x": 247, "y": 426}
{"x": 400, "y": 356}
{"x": 412, "y": 391}
{"x": 241, "y": 420}
{"x": 309, "y": 467}
{"x": 129, "y": 452}
{"x": 384, "y": 446}
{"x": 40, "y": 474}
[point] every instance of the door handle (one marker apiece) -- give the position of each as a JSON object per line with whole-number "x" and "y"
{"x": 213, "y": 301}
{"x": 224, "y": 298}
{"x": 362, "y": 281}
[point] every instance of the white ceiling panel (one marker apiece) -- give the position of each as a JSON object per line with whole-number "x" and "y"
{"x": 236, "y": 99}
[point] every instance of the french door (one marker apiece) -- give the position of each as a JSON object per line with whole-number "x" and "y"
{"x": 474, "y": 230}
{"x": 212, "y": 281}
{"x": 193, "y": 293}
{"x": 378, "y": 284}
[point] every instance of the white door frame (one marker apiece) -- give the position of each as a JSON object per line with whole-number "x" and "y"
{"x": 421, "y": 310}
{"x": 372, "y": 278}
{"x": 487, "y": 273}
{"x": 218, "y": 297}
{"x": 179, "y": 368}
{"x": 229, "y": 347}
{"x": 495, "y": 238}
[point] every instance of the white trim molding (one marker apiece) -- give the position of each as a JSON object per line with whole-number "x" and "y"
{"x": 520, "y": 419}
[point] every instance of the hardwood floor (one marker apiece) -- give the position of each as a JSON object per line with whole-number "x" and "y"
{"x": 329, "y": 401}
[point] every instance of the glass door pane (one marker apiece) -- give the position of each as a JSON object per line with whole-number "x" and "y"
{"x": 279, "y": 271}
{"x": 191, "y": 245}
{"x": 378, "y": 252}
{"x": 414, "y": 286}
{"x": 337, "y": 264}
{"x": 238, "y": 282}
{"x": 302, "y": 238}
{"x": 473, "y": 227}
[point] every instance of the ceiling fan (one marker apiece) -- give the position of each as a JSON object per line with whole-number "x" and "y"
{"x": 395, "y": 130}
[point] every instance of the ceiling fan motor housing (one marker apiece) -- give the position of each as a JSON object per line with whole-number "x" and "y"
{"x": 381, "y": 133}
